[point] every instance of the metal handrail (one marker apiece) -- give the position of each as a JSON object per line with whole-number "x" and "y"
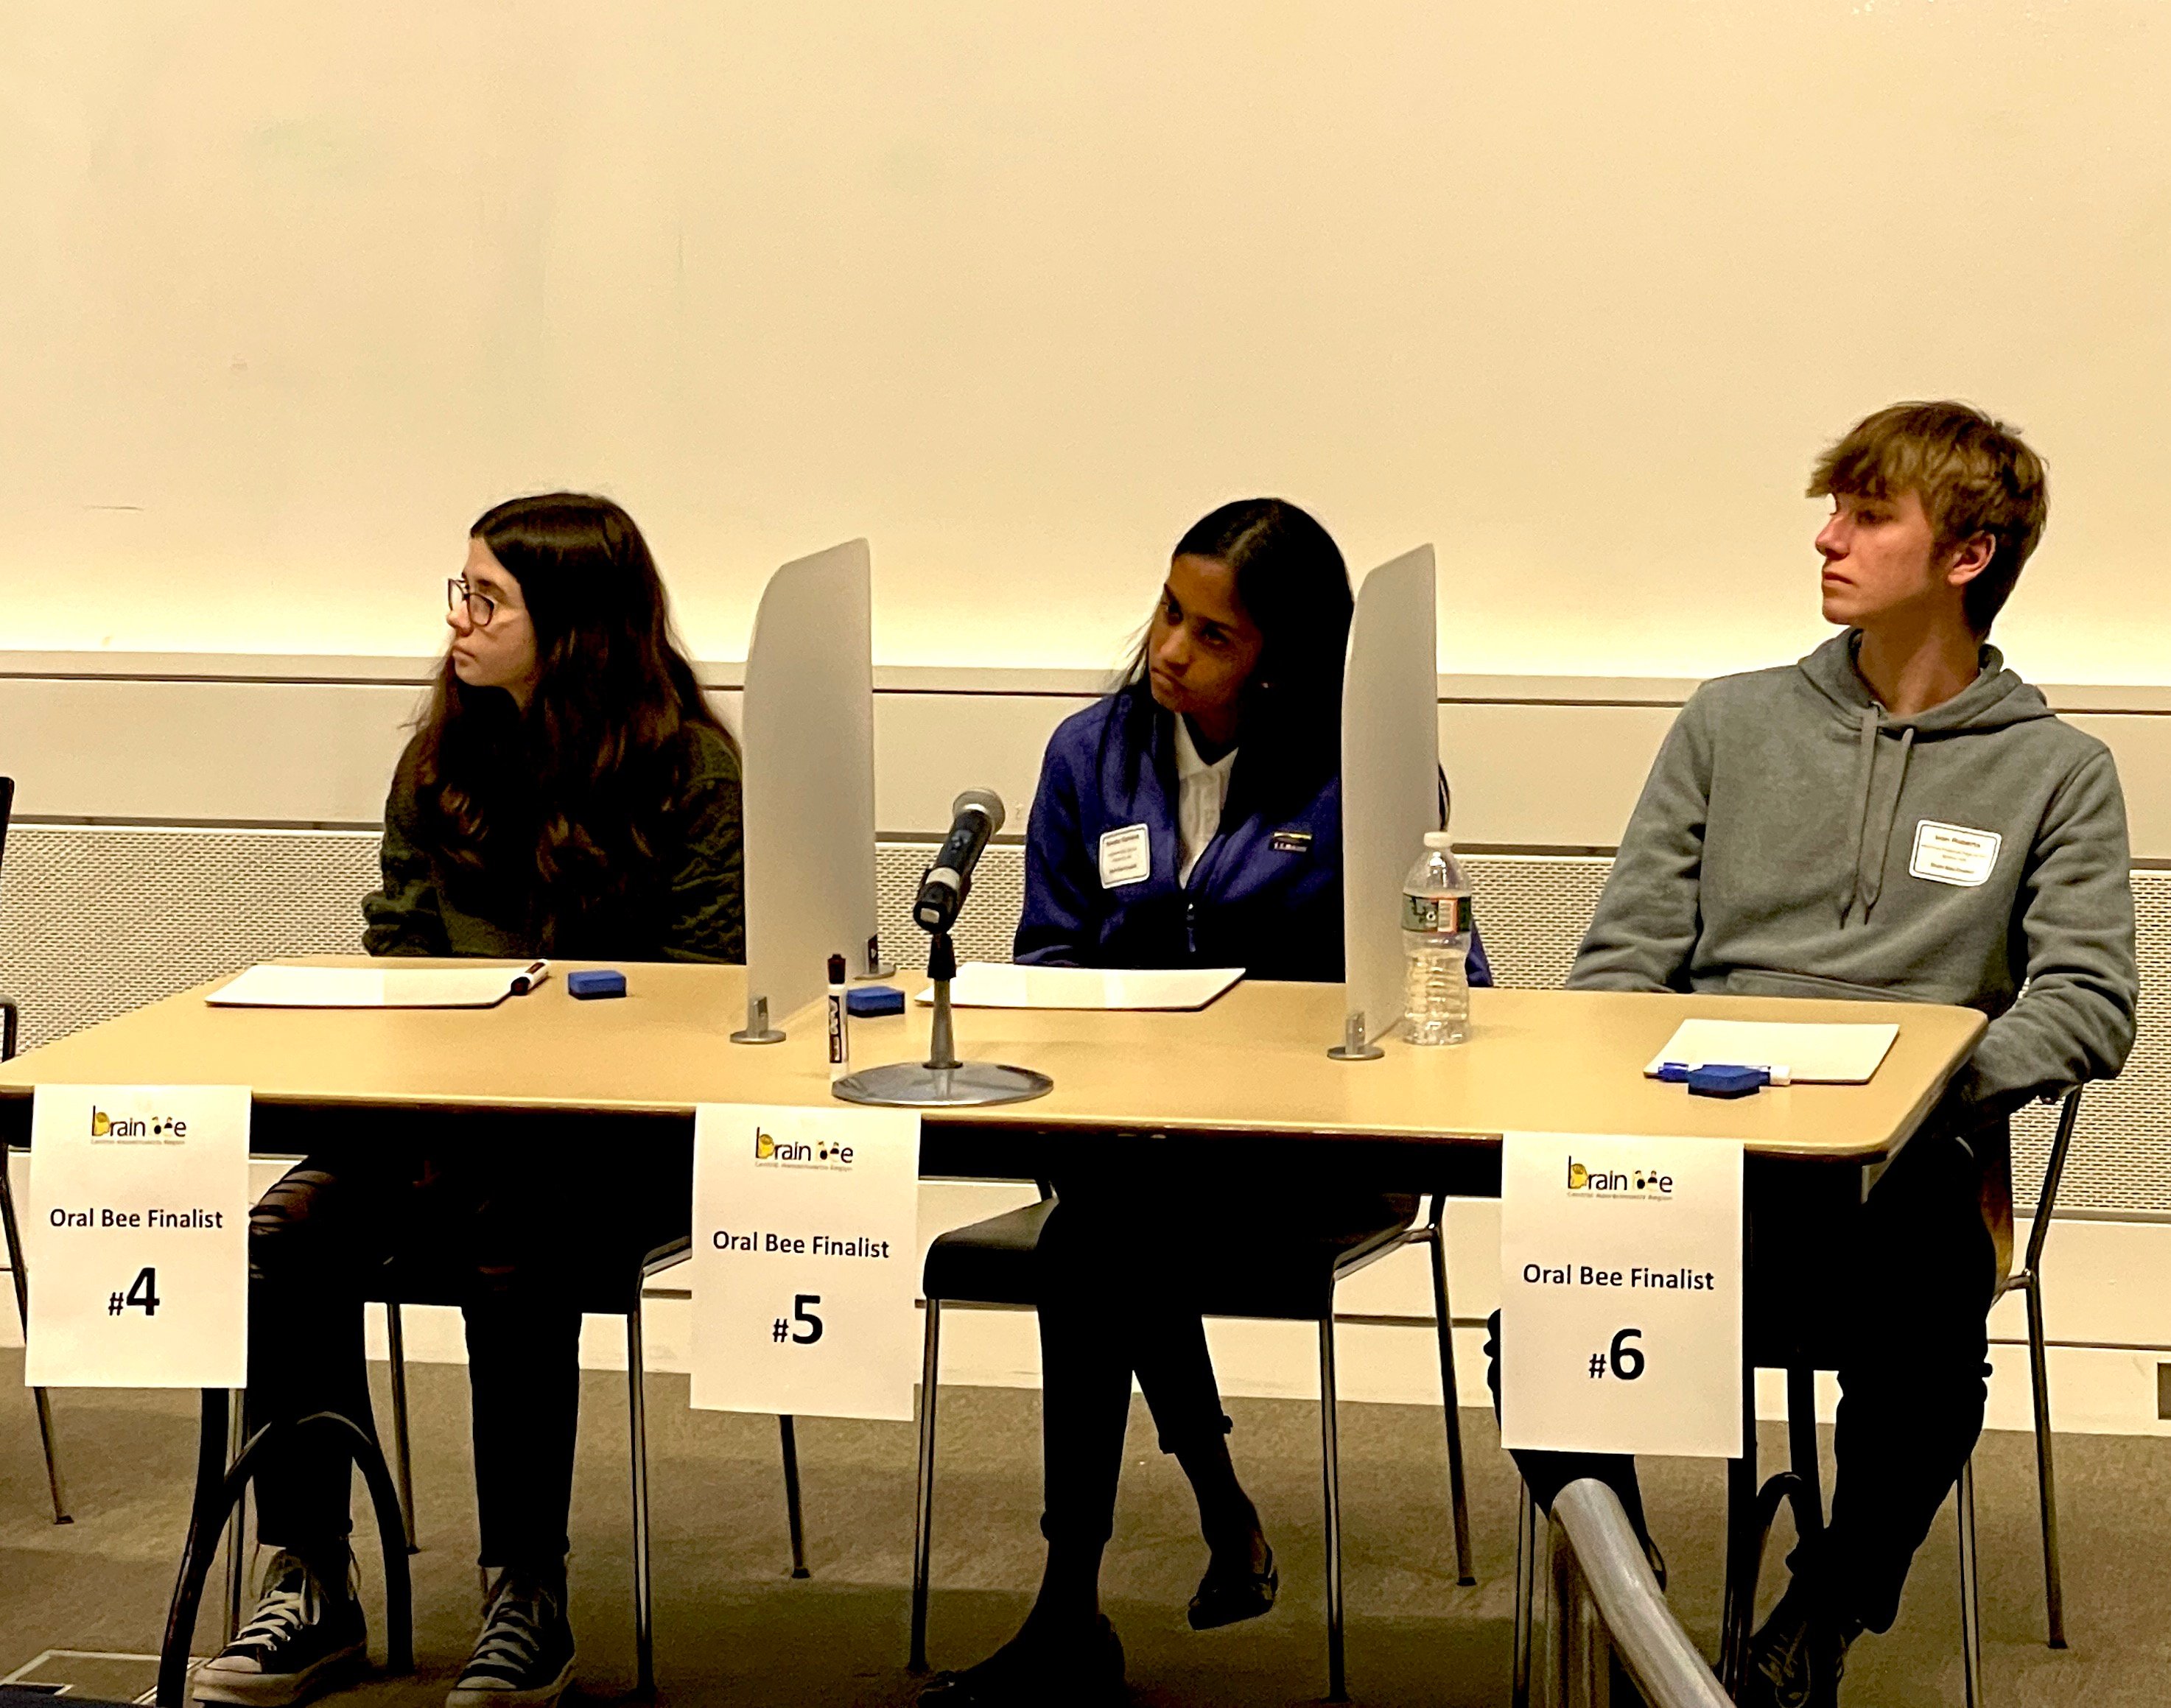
{"x": 1607, "y": 1602}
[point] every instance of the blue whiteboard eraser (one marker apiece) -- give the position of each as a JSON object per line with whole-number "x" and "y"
{"x": 602, "y": 982}
{"x": 1726, "y": 1082}
{"x": 871, "y": 1000}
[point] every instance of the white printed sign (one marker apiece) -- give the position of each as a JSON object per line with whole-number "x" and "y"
{"x": 806, "y": 1249}
{"x": 1621, "y": 1294}
{"x": 138, "y": 1242}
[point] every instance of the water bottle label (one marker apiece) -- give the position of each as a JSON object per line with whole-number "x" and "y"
{"x": 1432, "y": 913}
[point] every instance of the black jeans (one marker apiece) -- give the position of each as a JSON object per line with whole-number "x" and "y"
{"x": 521, "y": 1243}
{"x": 1905, "y": 1298}
{"x": 1126, "y": 1261}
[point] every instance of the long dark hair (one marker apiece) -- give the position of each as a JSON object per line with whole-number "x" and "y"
{"x": 1292, "y": 580}
{"x": 564, "y": 800}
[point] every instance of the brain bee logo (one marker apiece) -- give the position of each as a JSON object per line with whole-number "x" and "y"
{"x": 797, "y": 1153}
{"x": 1584, "y": 1180}
{"x": 105, "y": 1126}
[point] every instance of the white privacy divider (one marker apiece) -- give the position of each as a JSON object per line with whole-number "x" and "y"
{"x": 808, "y": 728}
{"x": 1390, "y": 783}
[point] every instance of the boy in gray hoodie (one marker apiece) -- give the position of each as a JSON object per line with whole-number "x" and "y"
{"x": 1896, "y": 816}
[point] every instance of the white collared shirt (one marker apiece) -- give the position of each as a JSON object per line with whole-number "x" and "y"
{"x": 1201, "y": 791}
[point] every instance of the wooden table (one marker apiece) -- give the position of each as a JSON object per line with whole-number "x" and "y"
{"x": 1250, "y": 1072}
{"x": 1254, "y": 1065}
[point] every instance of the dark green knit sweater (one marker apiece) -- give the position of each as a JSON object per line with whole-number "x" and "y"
{"x": 695, "y": 910}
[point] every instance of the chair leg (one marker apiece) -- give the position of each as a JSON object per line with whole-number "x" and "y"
{"x": 1970, "y": 1589}
{"x": 236, "y": 1524}
{"x": 787, "y": 1435}
{"x": 2046, "y": 1477}
{"x": 39, "y": 1398}
{"x": 403, "y": 1469}
{"x": 1801, "y": 1449}
{"x": 1331, "y": 1464}
{"x": 1745, "y": 1549}
{"x": 923, "y": 1517}
{"x": 644, "y": 1593}
{"x": 1451, "y": 1404}
{"x": 1526, "y": 1588}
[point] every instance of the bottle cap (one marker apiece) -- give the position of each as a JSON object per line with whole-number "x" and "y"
{"x": 1439, "y": 839}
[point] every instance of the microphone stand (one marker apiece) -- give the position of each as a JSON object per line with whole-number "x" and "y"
{"x": 942, "y": 1037}
{"x": 942, "y": 1081}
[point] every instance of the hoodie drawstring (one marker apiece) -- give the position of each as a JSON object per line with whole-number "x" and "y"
{"x": 1872, "y": 879}
{"x": 1872, "y": 846}
{"x": 1867, "y": 765}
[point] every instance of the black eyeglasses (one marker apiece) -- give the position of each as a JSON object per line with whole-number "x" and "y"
{"x": 481, "y": 607}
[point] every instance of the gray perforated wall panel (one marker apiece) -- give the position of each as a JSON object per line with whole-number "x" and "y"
{"x": 95, "y": 921}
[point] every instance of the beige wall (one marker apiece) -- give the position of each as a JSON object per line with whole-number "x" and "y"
{"x": 1537, "y": 763}
{"x": 1571, "y": 290}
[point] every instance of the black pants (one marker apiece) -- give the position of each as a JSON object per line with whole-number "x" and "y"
{"x": 1127, "y": 1263}
{"x": 1905, "y": 1298}
{"x": 521, "y": 1243}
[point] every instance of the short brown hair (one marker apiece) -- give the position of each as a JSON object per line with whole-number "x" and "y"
{"x": 1973, "y": 474}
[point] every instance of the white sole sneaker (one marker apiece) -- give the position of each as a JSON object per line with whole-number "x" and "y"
{"x": 213, "y": 1682}
{"x": 503, "y": 1696}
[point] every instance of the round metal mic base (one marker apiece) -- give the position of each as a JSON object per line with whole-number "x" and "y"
{"x": 916, "y": 1086}
{"x": 770, "y": 1036}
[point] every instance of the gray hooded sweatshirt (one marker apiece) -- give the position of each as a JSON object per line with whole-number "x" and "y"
{"x": 1795, "y": 840}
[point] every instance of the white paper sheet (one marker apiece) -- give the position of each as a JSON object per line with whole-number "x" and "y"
{"x": 1004, "y": 984}
{"x": 372, "y": 987}
{"x": 1830, "y": 1055}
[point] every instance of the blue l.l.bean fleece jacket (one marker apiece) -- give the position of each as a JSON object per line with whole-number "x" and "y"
{"x": 1265, "y": 896}
{"x": 1795, "y": 840}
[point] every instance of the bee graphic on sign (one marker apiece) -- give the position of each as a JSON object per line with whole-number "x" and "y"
{"x": 105, "y": 1126}
{"x": 786, "y": 1152}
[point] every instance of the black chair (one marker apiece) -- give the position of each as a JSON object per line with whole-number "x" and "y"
{"x": 991, "y": 1265}
{"x": 11, "y": 1231}
{"x": 401, "y": 1286}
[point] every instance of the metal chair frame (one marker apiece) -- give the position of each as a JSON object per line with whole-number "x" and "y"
{"x": 2028, "y": 1278}
{"x": 1431, "y": 1232}
{"x": 1610, "y": 1608}
{"x": 40, "y": 1399}
{"x": 1800, "y": 1485}
{"x": 644, "y": 1609}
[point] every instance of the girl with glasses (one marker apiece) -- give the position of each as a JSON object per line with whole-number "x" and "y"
{"x": 568, "y": 792}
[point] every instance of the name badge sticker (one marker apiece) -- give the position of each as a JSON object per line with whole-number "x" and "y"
{"x": 1952, "y": 853}
{"x": 1126, "y": 857}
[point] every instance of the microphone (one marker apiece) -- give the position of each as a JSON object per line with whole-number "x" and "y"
{"x": 975, "y": 815}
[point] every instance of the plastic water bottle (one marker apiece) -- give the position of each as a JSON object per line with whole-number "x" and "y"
{"x": 1436, "y": 946}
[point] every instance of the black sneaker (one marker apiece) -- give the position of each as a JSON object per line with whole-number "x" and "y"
{"x": 524, "y": 1656}
{"x": 304, "y": 1638}
{"x": 1796, "y": 1660}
